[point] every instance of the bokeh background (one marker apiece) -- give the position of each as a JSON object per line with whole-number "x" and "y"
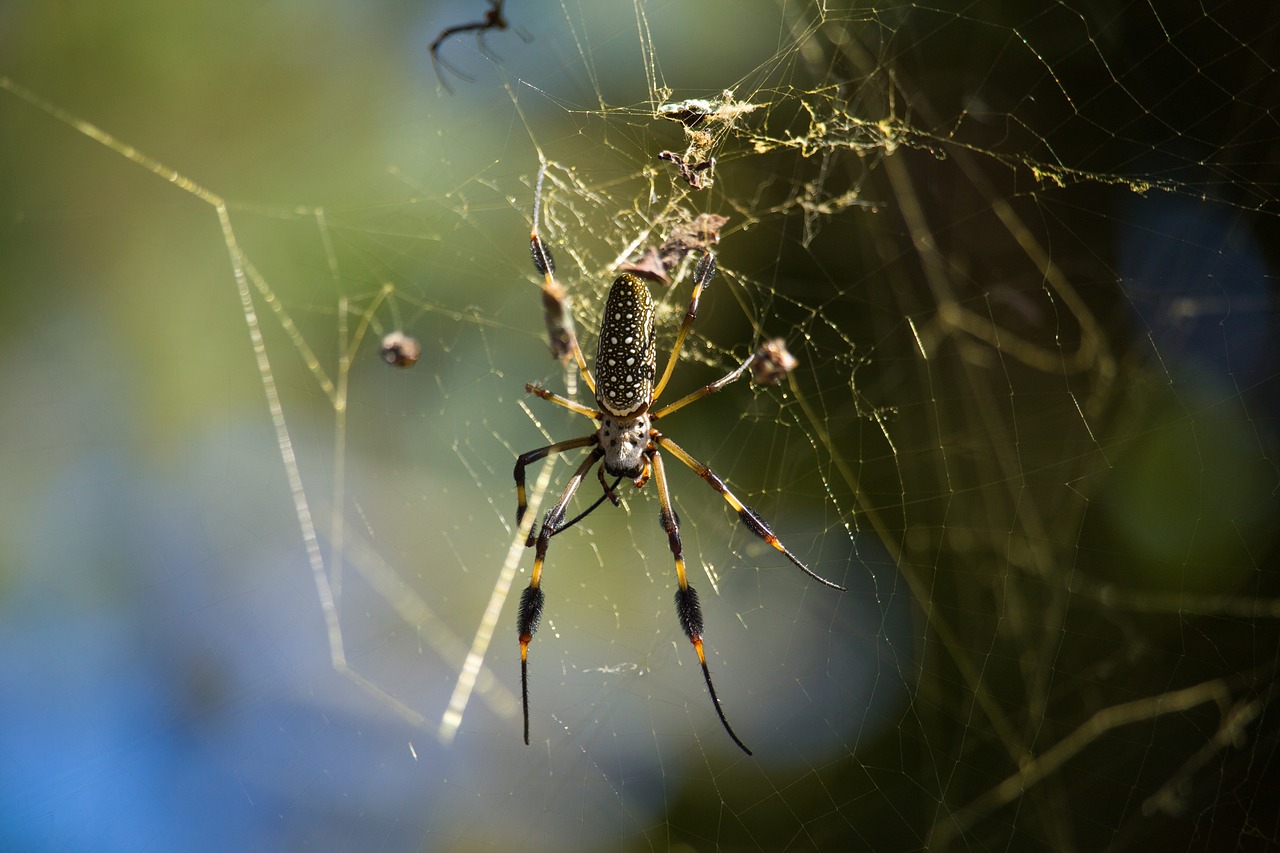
{"x": 1025, "y": 257}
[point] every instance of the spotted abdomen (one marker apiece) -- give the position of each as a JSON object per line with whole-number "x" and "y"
{"x": 626, "y": 353}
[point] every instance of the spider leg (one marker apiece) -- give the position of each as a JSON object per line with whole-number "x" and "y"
{"x": 572, "y": 406}
{"x": 492, "y": 22}
{"x": 555, "y": 300}
{"x": 438, "y": 61}
{"x": 608, "y": 494}
{"x": 609, "y": 490}
{"x": 706, "y": 390}
{"x": 702, "y": 275}
{"x": 524, "y": 460}
{"x": 531, "y": 599}
{"x": 749, "y": 516}
{"x": 687, "y": 608}
{"x": 553, "y": 397}
{"x": 643, "y": 480}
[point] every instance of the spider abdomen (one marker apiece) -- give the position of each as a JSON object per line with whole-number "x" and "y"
{"x": 626, "y": 352}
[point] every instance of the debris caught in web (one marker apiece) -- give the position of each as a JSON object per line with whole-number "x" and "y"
{"x": 697, "y": 235}
{"x": 772, "y": 362}
{"x": 400, "y": 349}
{"x": 705, "y": 121}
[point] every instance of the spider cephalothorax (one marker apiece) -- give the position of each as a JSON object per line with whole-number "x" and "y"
{"x": 626, "y": 443}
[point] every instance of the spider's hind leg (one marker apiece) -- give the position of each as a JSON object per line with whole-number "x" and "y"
{"x": 748, "y": 516}
{"x": 688, "y": 610}
{"x": 532, "y": 599}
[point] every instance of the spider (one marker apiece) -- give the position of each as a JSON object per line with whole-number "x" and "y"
{"x": 627, "y": 445}
{"x": 493, "y": 20}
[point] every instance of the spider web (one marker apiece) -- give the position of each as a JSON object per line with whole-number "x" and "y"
{"x": 1023, "y": 259}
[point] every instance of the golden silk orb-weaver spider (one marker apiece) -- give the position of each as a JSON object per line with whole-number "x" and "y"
{"x": 626, "y": 443}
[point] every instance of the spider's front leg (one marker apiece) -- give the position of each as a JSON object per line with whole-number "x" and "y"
{"x": 702, "y": 275}
{"x": 559, "y": 319}
{"x": 531, "y": 600}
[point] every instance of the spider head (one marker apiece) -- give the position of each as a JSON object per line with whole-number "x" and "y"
{"x": 624, "y": 441}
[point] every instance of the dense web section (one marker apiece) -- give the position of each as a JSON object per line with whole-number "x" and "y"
{"x": 1023, "y": 261}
